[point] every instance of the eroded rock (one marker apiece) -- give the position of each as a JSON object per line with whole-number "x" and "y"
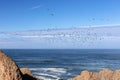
{"x": 8, "y": 68}
{"x": 104, "y": 74}
{"x": 10, "y": 71}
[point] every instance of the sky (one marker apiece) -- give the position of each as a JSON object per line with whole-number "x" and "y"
{"x": 32, "y": 24}
{"x": 16, "y": 15}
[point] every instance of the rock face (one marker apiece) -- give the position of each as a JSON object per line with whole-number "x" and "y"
{"x": 10, "y": 71}
{"x": 105, "y": 74}
{"x": 8, "y": 68}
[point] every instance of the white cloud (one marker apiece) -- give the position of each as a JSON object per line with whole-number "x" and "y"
{"x": 36, "y": 7}
{"x": 40, "y": 36}
{"x": 106, "y": 37}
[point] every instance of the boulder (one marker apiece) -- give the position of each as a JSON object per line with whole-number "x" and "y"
{"x": 26, "y": 71}
{"x": 27, "y": 74}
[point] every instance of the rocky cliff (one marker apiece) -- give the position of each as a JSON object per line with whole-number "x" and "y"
{"x": 10, "y": 71}
{"x": 104, "y": 74}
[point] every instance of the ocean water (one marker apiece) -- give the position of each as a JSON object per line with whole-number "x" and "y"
{"x": 64, "y": 63}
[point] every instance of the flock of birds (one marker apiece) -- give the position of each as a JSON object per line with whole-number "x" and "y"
{"x": 75, "y": 36}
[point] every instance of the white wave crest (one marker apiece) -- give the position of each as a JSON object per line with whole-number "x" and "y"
{"x": 48, "y": 73}
{"x": 56, "y": 70}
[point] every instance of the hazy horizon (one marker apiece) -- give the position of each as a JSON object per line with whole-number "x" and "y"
{"x": 71, "y": 38}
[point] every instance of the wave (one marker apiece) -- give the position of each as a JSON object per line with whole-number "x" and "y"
{"x": 49, "y": 73}
{"x": 58, "y": 70}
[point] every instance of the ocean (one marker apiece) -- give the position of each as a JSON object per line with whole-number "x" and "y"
{"x": 54, "y": 64}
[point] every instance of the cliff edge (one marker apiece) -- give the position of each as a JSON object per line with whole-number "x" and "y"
{"x": 10, "y": 71}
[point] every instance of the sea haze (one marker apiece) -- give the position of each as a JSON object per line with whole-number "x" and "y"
{"x": 54, "y": 64}
{"x": 71, "y": 38}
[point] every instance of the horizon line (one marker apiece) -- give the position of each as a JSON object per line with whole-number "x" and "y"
{"x": 67, "y": 28}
